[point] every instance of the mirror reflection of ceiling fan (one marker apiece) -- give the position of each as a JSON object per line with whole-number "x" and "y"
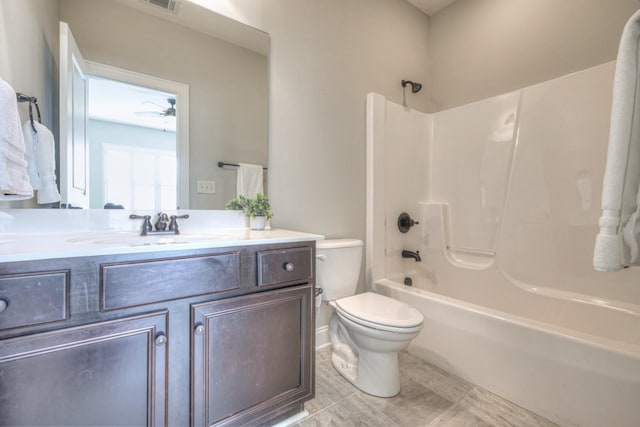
{"x": 169, "y": 111}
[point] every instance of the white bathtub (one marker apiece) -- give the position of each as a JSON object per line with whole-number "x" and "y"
{"x": 574, "y": 377}
{"x": 506, "y": 193}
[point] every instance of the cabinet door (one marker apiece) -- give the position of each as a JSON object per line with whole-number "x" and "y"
{"x": 251, "y": 355}
{"x": 110, "y": 373}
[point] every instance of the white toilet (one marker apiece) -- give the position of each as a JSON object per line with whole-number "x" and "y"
{"x": 366, "y": 330}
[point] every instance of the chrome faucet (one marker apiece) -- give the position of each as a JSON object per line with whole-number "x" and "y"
{"x": 162, "y": 226}
{"x": 409, "y": 254}
{"x": 163, "y": 222}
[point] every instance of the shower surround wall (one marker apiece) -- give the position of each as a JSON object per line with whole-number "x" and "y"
{"x": 507, "y": 193}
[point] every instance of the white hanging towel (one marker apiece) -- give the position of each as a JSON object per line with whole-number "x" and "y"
{"x": 40, "y": 154}
{"x": 618, "y": 241}
{"x": 14, "y": 179}
{"x": 249, "y": 181}
{"x": 30, "y": 150}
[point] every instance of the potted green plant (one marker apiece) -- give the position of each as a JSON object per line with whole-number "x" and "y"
{"x": 236, "y": 204}
{"x": 258, "y": 210}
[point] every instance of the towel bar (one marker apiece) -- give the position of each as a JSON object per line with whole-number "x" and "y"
{"x": 221, "y": 164}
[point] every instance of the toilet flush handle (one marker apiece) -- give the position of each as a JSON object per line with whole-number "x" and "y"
{"x": 321, "y": 257}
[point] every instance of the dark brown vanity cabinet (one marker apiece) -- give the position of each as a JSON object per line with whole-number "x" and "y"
{"x": 251, "y": 355}
{"x": 193, "y": 337}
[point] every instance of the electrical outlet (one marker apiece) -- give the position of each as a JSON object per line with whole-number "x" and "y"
{"x": 206, "y": 187}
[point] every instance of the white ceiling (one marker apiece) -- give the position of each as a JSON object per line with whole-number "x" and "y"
{"x": 120, "y": 102}
{"x": 430, "y": 7}
{"x": 201, "y": 19}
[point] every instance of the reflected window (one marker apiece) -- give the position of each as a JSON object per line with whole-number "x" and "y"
{"x": 139, "y": 178}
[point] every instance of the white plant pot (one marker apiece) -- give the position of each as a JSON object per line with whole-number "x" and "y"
{"x": 257, "y": 222}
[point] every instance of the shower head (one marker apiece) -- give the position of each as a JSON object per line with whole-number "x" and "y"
{"x": 415, "y": 87}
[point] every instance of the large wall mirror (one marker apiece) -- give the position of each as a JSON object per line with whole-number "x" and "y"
{"x": 221, "y": 64}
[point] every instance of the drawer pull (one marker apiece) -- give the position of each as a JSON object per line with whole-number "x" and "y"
{"x": 161, "y": 339}
{"x": 288, "y": 266}
{"x": 199, "y": 330}
{"x": 3, "y": 305}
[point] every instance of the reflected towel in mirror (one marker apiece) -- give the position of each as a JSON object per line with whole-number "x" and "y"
{"x": 43, "y": 157}
{"x": 249, "y": 181}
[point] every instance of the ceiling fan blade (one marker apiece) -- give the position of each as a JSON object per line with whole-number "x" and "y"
{"x": 162, "y": 107}
{"x": 164, "y": 112}
{"x": 149, "y": 113}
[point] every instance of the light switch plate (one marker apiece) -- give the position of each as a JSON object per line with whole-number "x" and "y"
{"x": 206, "y": 187}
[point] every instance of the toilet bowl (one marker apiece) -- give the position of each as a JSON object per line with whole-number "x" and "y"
{"x": 366, "y": 330}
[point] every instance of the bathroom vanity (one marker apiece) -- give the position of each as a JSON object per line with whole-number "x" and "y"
{"x": 214, "y": 333}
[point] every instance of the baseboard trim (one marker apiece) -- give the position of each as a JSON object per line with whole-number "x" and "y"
{"x": 292, "y": 420}
{"x": 322, "y": 337}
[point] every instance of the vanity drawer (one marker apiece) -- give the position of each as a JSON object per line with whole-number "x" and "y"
{"x": 285, "y": 265}
{"x": 144, "y": 282}
{"x": 31, "y": 299}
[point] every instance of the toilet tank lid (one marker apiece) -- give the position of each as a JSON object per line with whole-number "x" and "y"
{"x": 338, "y": 243}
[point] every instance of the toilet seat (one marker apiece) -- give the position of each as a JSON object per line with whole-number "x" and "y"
{"x": 380, "y": 312}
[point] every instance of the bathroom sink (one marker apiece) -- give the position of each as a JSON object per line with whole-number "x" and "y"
{"x": 105, "y": 237}
{"x": 131, "y": 238}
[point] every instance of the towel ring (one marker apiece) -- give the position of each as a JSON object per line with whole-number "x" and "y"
{"x": 32, "y": 100}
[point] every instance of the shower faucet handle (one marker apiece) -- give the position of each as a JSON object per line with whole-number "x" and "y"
{"x": 405, "y": 222}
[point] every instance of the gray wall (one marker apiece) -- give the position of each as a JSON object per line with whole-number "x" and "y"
{"x": 325, "y": 57}
{"x": 29, "y": 48}
{"x": 481, "y": 48}
{"x": 227, "y": 84}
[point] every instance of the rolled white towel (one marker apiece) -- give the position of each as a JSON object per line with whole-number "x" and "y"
{"x": 621, "y": 185}
{"x": 607, "y": 258}
{"x": 46, "y": 166}
{"x": 30, "y": 149}
{"x": 14, "y": 179}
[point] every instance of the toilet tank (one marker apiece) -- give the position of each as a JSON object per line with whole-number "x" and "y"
{"x": 338, "y": 267}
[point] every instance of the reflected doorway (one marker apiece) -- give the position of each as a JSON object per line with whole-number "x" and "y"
{"x": 132, "y": 143}
{"x": 138, "y": 136}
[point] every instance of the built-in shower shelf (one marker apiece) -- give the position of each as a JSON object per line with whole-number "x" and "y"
{"x": 436, "y": 230}
{"x": 472, "y": 251}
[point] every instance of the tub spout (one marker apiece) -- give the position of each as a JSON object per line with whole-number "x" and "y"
{"x": 409, "y": 254}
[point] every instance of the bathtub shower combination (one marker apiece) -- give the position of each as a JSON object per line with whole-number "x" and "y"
{"x": 506, "y": 192}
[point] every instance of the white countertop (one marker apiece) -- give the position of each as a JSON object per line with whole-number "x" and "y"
{"x": 80, "y": 233}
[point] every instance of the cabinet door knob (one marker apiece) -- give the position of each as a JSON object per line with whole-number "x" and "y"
{"x": 199, "y": 329}
{"x": 161, "y": 339}
{"x": 3, "y": 305}
{"x": 288, "y": 266}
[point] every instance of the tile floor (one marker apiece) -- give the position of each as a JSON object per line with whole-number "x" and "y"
{"x": 429, "y": 397}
